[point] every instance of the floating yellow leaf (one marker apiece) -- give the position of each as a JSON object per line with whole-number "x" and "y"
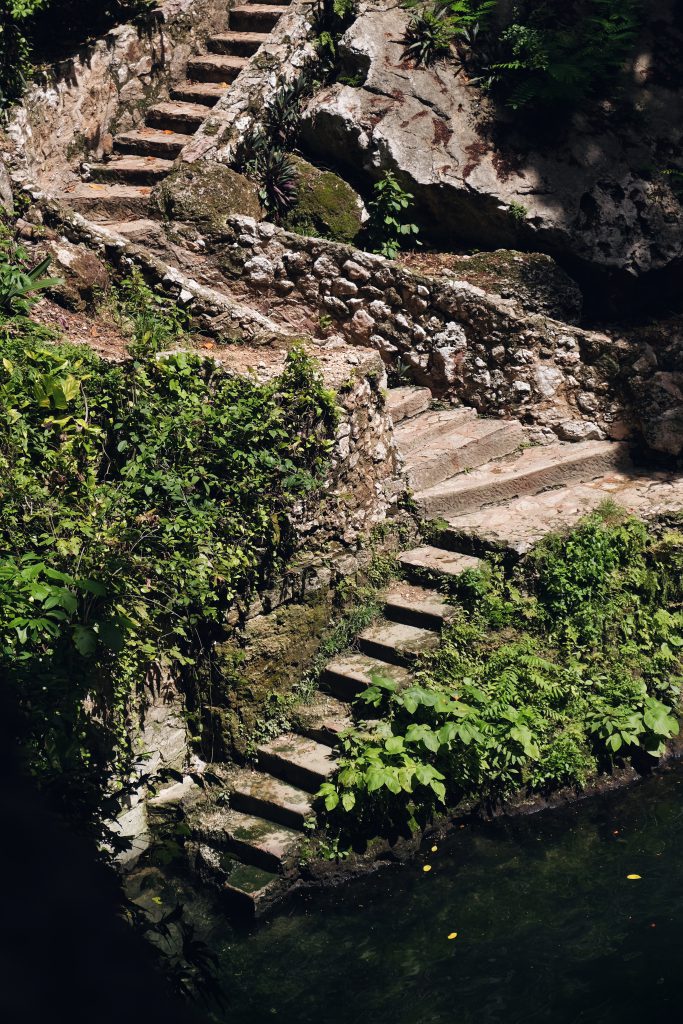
{"x": 427, "y": 867}
{"x": 453, "y": 935}
{"x": 634, "y": 876}
{"x": 434, "y": 849}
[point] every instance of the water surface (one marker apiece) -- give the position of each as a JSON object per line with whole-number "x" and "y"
{"x": 549, "y": 928}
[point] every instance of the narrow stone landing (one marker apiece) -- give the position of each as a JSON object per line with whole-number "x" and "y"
{"x": 497, "y": 494}
{"x": 118, "y": 189}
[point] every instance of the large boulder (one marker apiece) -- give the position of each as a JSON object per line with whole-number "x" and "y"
{"x": 205, "y": 194}
{"x": 594, "y": 195}
{"x": 327, "y": 206}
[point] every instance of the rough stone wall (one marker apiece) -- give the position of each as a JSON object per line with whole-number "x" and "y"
{"x": 465, "y": 344}
{"x": 74, "y": 109}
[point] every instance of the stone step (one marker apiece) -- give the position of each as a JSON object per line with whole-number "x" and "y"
{"x": 261, "y": 794}
{"x": 151, "y": 142}
{"x": 403, "y": 403}
{"x": 467, "y": 446}
{"x": 516, "y": 525}
{"x": 428, "y": 562}
{"x": 417, "y": 606}
{"x": 349, "y": 674}
{"x": 252, "y": 839}
{"x": 205, "y": 93}
{"x": 177, "y": 116}
{"x": 117, "y": 202}
{"x": 396, "y": 642}
{"x": 241, "y": 44}
{"x": 535, "y": 470}
{"x": 248, "y": 891}
{"x": 215, "y": 68}
{"x": 323, "y": 719}
{"x": 297, "y": 759}
{"x": 255, "y": 17}
{"x": 430, "y": 426}
{"x": 138, "y": 170}
{"x": 141, "y": 231}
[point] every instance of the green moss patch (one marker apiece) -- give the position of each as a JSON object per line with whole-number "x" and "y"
{"x": 327, "y": 207}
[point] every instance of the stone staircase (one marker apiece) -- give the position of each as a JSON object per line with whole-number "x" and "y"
{"x": 118, "y": 189}
{"x": 476, "y": 473}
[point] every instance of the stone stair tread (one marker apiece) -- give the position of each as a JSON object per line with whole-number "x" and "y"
{"x": 323, "y": 719}
{"x": 98, "y": 198}
{"x": 429, "y": 426}
{"x": 519, "y": 523}
{"x": 437, "y": 560}
{"x": 298, "y": 759}
{"x": 351, "y": 673}
{"x": 150, "y": 167}
{"x": 259, "y": 9}
{"x": 254, "y": 39}
{"x": 404, "y": 403}
{"x": 397, "y": 639}
{"x": 178, "y": 109}
{"x": 467, "y": 445}
{"x": 409, "y": 599}
{"x": 205, "y": 94}
{"x": 266, "y": 789}
{"x": 250, "y": 880}
{"x": 219, "y": 64}
{"x": 253, "y": 839}
{"x": 147, "y": 139}
{"x": 532, "y": 471}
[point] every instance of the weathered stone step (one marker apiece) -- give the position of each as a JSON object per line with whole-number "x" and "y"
{"x": 430, "y": 426}
{"x": 533, "y": 471}
{"x": 516, "y": 525}
{"x": 296, "y": 759}
{"x": 177, "y": 116}
{"x": 251, "y": 838}
{"x": 141, "y": 231}
{"x": 349, "y": 674}
{"x": 396, "y": 642}
{"x": 403, "y": 403}
{"x": 430, "y": 562}
{"x": 205, "y": 93}
{"x": 118, "y": 202}
{"x": 255, "y": 17}
{"x": 261, "y": 794}
{"x": 323, "y": 719}
{"x": 151, "y": 142}
{"x": 139, "y": 170}
{"x": 248, "y": 891}
{"x": 417, "y": 606}
{"x": 466, "y": 446}
{"x": 242, "y": 44}
{"x": 215, "y": 68}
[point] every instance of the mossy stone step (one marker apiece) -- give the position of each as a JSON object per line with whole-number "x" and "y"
{"x": 323, "y": 719}
{"x": 350, "y": 674}
{"x": 254, "y": 840}
{"x": 397, "y": 642}
{"x": 297, "y": 759}
{"x": 248, "y": 891}
{"x": 261, "y": 794}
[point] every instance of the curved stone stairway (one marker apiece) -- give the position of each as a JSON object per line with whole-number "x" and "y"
{"x": 119, "y": 188}
{"x": 476, "y": 474}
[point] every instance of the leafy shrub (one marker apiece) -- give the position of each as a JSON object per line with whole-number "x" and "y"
{"x": 332, "y": 18}
{"x": 153, "y": 321}
{"x": 19, "y": 282}
{"x": 388, "y": 230}
{"x": 568, "y": 667}
{"x": 137, "y": 500}
{"x": 429, "y": 35}
{"x": 15, "y": 17}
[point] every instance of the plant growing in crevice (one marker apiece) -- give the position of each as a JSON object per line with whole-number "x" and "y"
{"x": 430, "y": 35}
{"x": 389, "y": 230}
{"x": 332, "y": 18}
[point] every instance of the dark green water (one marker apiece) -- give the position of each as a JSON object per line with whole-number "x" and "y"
{"x": 549, "y": 928}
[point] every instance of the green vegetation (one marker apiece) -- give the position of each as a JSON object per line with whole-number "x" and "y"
{"x": 137, "y": 499}
{"x": 540, "y": 56}
{"x": 388, "y": 230}
{"x": 569, "y": 666}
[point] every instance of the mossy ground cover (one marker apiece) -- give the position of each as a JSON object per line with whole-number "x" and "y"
{"x": 136, "y": 500}
{"x": 566, "y": 667}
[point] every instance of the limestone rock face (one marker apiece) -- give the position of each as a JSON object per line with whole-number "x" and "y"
{"x": 327, "y": 206}
{"x": 582, "y": 195}
{"x": 206, "y": 194}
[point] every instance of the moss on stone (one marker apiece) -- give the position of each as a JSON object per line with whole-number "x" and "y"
{"x": 327, "y": 206}
{"x": 206, "y": 194}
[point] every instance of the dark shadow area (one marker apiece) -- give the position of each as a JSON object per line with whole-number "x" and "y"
{"x": 66, "y": 26}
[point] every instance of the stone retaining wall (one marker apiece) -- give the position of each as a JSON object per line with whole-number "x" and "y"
{"x": 73, "y": 110}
